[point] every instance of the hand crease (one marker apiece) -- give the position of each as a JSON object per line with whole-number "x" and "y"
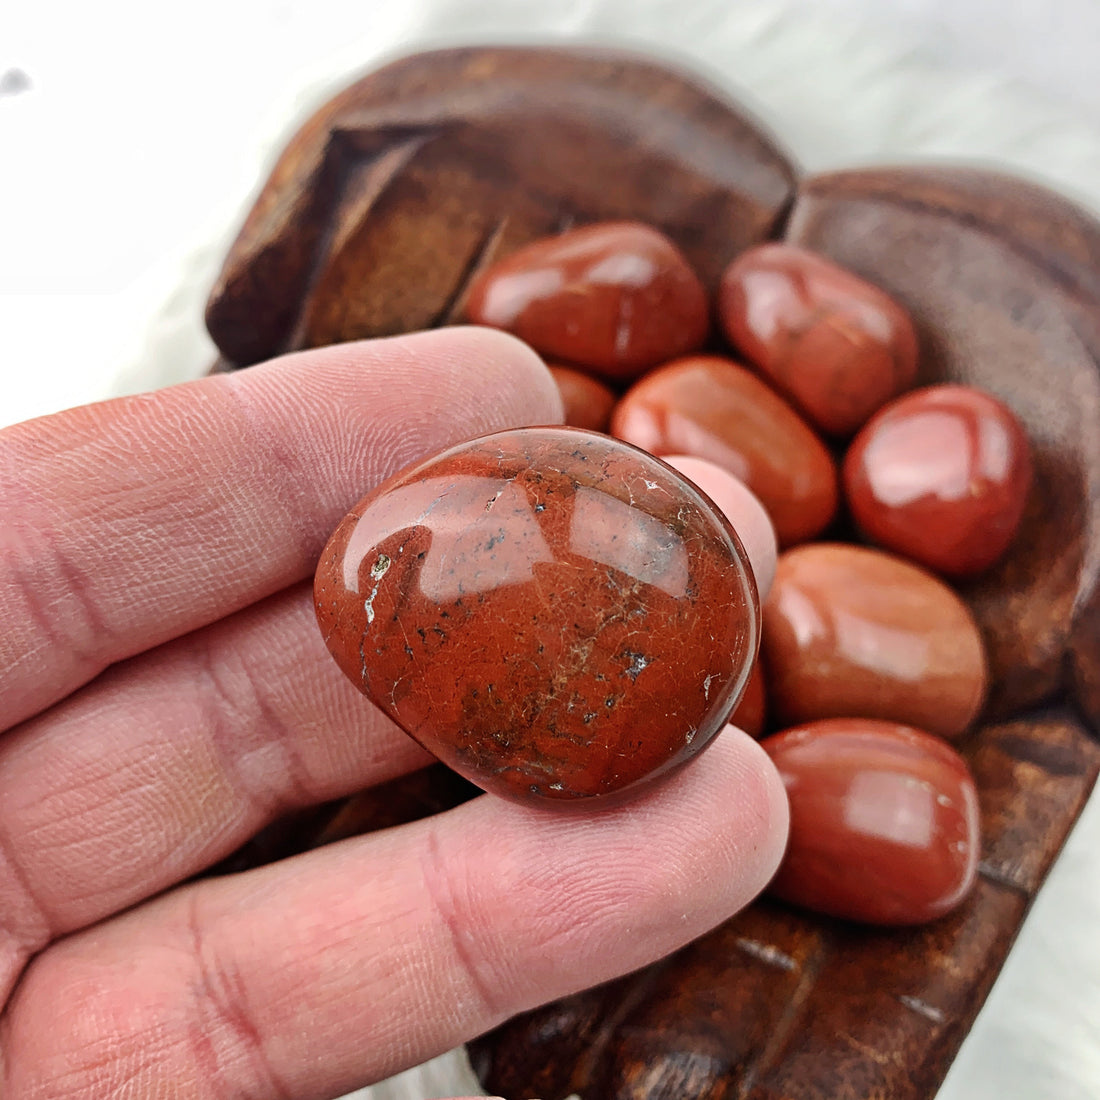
{"x": 439, "y": 887}
{"x": 222, "y": 1006}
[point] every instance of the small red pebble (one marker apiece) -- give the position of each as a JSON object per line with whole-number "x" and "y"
{"x": 618, "y": 297}
{"x": 751, "y": 713}
{"x": 551, "y": 612}
{"x": 884, "y": 821}
{"x": 942, "y": 476}
{"x": 711, "y": 408}
{"x": 851, "y": 631}
{"x": 587, "y": 401}
{"x": 836, "y": 346}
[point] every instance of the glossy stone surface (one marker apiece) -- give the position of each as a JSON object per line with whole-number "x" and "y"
{"x": 752, "y": 712}
{"x": 588, "y": 402}
{"x": 712, "y": 408}
{"x": 855, "y": 632}
{"x": 552, "y": 613}
{"x": 618, "y": 297}
{"x": 884, "y": 821}
{"x": 941, "y": 475}
{"x": 837, "y": 346}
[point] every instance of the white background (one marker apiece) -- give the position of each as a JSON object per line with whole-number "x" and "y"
{"x": 128, "y": 162}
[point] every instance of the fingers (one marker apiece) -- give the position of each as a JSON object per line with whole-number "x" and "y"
{"x": 173, "y": 759}
{"x": 170, "y": 761}
{"x": 310, "y": 977}
{"x": 134, "y": 521}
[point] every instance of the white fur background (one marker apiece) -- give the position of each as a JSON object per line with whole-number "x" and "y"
{"x": 132, "y": 136}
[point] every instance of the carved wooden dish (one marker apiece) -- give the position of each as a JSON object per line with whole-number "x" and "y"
{"x": 373, "y": 222}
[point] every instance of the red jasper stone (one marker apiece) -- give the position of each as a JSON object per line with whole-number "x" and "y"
{"x": 837, "y": 346}
{"x": 941, "y": 476}
{"x": 587, "y": 401}
{"x": 711, "y": 408}
{"x": 751, "y": 712}
{"x": 554, "y": 614}
{"x": 850, "y": 631}
{"x": 884, "y": 821}
{"x": 617, "y": 297}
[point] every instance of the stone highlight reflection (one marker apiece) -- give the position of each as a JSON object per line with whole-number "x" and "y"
{"x": 884, "y": 821}
{"x": 712, "y": 408}
{"x": 942, "y": 476}
{"x": 837, "y": 346}
{"x": 617, "y": 297}
{"x": 855, "y": 632}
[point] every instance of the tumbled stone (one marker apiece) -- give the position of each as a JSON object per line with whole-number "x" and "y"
{"x": 553, "y": 613}
{"x": 586, "y": 400}
{"x": 854, "y": 632}
{"x": 941, "y": 475}
{"x": 711, "y": 408}
{"x": 884, "y": 821}
{"x": 835, "y": 345}
{"x": 617, "y": 297}
{"x": 751, "y": 713}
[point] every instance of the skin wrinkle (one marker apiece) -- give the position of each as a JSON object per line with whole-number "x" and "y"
{"x": 36, "y": 933}
{"x": 114, "y": 1043}
{"x": 31, "y": 554}
{"x": 444, "y": 892}
{"x": 85, "y": 743}
{"x": 72, "y": 783}
{"x": 295, "y": 686}
{"x": 107, "y": 1074}
{"x": 219, "y": 1002}
{"x": 287, "y": 486}
{"x": 615, "y": 890}
{"x": 234, "y": 706}
{"x": 102, "y": 885}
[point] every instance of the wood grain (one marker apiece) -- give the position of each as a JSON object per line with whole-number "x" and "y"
{"x": 378, "y": 214}
{"x": 394, "y": 194}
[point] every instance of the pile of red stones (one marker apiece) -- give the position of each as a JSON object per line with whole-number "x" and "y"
{"x": 874, "y": 658}
{"x": 870, "y": 664}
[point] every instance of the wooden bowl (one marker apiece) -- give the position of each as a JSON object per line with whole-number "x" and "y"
{"x": 375, "y": 219}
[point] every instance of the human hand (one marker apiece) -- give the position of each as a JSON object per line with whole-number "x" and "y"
{"x": 165, "y": 694}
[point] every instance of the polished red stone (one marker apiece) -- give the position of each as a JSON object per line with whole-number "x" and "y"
{"x": 618, "y": 297}
{"x": 855, "y": 632}
{"x": 552, "y": 613}
{"x": 884, "y": 821}
{"x": 941, "y": 476}
{"x": 711, "y": 408}
{"x": 837, "y": 346}
{"x": 751, "y": 713}
{"x": 587, "y": 401}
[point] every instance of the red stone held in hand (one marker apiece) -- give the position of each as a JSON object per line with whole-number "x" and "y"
{"x": 553, "y": 613}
